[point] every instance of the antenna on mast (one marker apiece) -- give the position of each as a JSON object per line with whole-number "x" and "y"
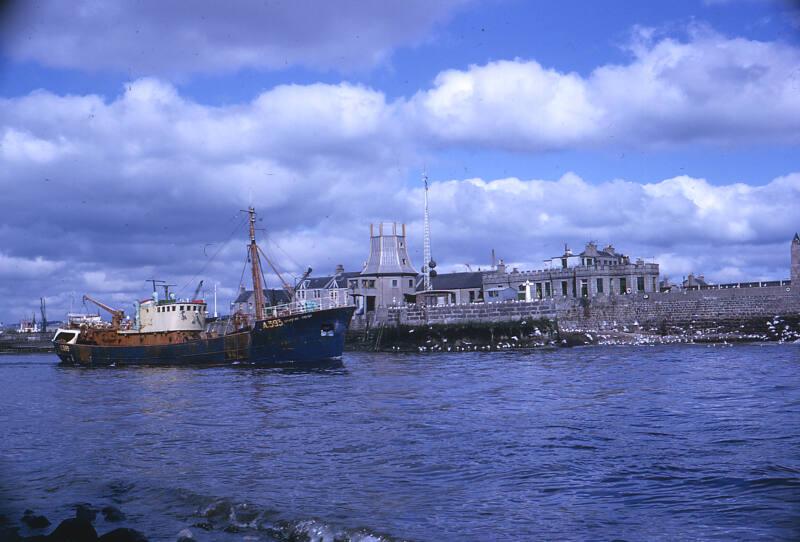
{"x": 428, "y": 263}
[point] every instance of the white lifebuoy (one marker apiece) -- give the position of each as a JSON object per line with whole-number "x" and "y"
{"x": 628, "y": 291}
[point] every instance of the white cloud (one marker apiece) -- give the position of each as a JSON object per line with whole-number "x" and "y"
{"x": 20, "y": 146}
{"x": 13, "y": 267}
{"x": 684, "y": 223}
{"x": 516, "y": 102}
{"x": 708, "y": 89}
{"x": 115, "y": 191}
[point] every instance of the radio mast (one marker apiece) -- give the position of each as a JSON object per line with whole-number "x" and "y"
{"x": 428, "y": 262}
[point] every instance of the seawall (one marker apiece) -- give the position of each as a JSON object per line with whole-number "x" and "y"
{"x": 729, "y": 314}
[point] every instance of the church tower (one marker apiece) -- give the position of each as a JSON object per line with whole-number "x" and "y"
{"x": 796, "y": 263}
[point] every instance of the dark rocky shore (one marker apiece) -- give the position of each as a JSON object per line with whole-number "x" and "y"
{"x": 220, "y": 516}
{"x": 32, "y": 527}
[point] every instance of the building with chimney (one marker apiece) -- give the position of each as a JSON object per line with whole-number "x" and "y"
{"x": 336, "y": 287}
{"x": 795, "y": 251}
{"x": 593, "y": 272}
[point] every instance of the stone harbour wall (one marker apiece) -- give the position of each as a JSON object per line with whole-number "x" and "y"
{"x": 697, "y": 307}
{"x": 508, "y": 311}
{"x": 606, "y": 312}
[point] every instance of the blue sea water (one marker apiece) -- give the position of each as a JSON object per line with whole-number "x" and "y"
{"x": 598, "y": 443}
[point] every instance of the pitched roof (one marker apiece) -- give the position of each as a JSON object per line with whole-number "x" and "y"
{"x": 314, "y": 283}
{"x": 455, "y": 281}
{"x": 601, "y": 253}
{"x": 336, "y": 281}
{"x": 244, "y": 296}
{"x": 272, "y": 296}
{"x": 342, "y": 278}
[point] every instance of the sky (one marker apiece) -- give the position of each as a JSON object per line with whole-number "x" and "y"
{"x": 132, "y": 133}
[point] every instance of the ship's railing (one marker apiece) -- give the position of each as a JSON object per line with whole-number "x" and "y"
{"x": 304, "y": 306}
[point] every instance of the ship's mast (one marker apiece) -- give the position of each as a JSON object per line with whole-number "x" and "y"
{"x": 426, "y": 242}
{"x": 255, "y": 263}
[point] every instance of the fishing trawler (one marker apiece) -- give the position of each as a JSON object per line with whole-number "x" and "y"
{"x": 172, "y": 331}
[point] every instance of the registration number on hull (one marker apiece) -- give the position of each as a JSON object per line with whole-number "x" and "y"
{"x": 269, "y": 324}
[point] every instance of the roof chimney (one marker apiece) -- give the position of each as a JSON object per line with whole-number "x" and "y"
{"x": 339, "y": 269}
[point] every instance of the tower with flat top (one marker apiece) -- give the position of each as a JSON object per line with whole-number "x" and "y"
{"x": 796, "y": 263}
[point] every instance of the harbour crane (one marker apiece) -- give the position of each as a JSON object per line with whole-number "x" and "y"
{"x": 116, "y": 314}
{"x": 43, "y": 309}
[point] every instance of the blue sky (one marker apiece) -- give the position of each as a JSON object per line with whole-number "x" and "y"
{"x": 132, "y": 132}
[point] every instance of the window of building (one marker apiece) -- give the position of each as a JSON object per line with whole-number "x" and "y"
{"x": 640, "y": 284}
{"x": 394, "y": 281}
{"x": 371, "y": 283}
{"x": 521, "y": 287}
{"x": 471, "y": 296}
{"x": 599, "y": 286}
{"x": 492, "y": 293}
{"x": 655, "y": 289}
{"x": 404, "y": 261}
{"x": 623, "y": 286}
{"x": 564, "y": 263}
{"x": 410, "y": 283}
{"x": 547, "y": 291}
{"x": 539, "y": 290}
{"x": 564, "y": 288}
{"x": 584, "y": 288}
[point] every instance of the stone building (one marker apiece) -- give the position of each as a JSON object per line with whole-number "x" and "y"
{"x": 697, "y": 282}
{"x": 591, "y": 273}
{"x": 451, "y": 288}
{"x": 795, "y": 276}
{"x": 388, "y": 278}
{"x": 245, "y": 302}
{"x": 335, "y": 287}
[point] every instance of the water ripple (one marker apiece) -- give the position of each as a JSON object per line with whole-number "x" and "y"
{"x": 656, "y": 443}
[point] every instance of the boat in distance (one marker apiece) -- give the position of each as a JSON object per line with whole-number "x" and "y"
{"x": 173, "y": 332}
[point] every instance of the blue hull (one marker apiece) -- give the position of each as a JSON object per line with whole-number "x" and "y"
{"x": 308, "y": 338}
